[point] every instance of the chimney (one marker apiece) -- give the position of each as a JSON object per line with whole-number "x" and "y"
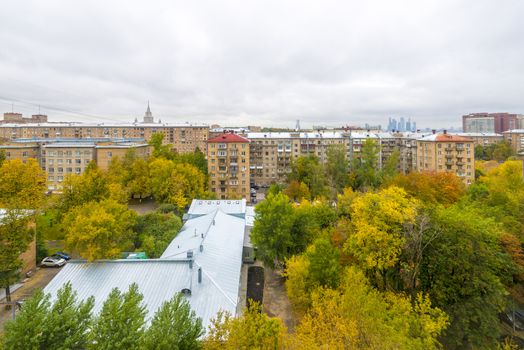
{"x": 445, "y": 131}
{"x": 199, "y": 275}
{"x": 434, "y": 131}
{"x": 201, "y": 248}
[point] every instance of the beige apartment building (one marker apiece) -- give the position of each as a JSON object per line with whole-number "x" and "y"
{"x": 228, "y": 166}
{"x": 447, "y": 153}
{"x": 60, "y": 159}
{"x": 183, "y": 137}
{"x": 272, "y": 153}
{"x": 481, "y": 138}
{"x": 516, "y": 139}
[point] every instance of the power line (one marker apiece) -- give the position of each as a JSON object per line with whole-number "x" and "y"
{"x": 59, "y": 109}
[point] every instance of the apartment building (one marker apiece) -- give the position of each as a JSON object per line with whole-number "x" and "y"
{"x": 272, "y": 153}
{"x": 60, "y": 157}
{"x": 482, "y": 138}
{"x": 228, "y": 157}
{"x": 491, "y": 122}
{"x": 516, "y": 139}
{"x": 447, "y": 153}
{"x": 183, "y": 137}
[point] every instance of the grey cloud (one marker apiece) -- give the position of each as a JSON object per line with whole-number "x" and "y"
{"x": 264, "y": 62}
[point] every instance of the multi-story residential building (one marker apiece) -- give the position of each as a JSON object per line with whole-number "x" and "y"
{"x": 491, "y": 122}
{"x": 481, "y": 138}
{"x": 185, "y": 137}
{"x": 228, "y": 166}
{"x": 516, "y": 139}
{"x": 447, "y": 153}
{"x": 272, "y": 152}
{"x": 61, "y": 157}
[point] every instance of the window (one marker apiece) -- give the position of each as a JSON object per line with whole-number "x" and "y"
{"x": 50, "y": 170}
{"x": 69, "y": 161}
{"x": 109, "y": 154}
{"x": 78, "y": 161}
{"x": 50, "y": 178}
{"x": 24, "y": 154}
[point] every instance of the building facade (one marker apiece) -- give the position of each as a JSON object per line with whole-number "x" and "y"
{"x": 60, "y": 158}
{"x": 447, "y": 153}
{"x": 516, "y": 140}
{"x": 228, "y": 166}
{"x": 491, "y": 122}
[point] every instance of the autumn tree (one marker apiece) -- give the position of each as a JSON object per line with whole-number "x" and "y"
{"x": 99, "y": 230}
{"x": 22, "y": 188}
{"x": 390, "y": 167}
{"x": 376, "y": 234}
{"x": 431, "y": 188}
{"x": 308, "y": 170}
{"x": 464, "y": 272}
{"x": 174, "y": 326}
{"x": 121, "y": 323}
{"x": 357, "y": 316}
{"x": 22, "y": 185}
{"x": 139, "y": 182}
{"x": 297, "y": 191}
{"x": 252, "y": 330}
{"x": 77, "y": 190}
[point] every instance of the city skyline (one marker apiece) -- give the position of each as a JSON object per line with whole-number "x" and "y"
{"x": 234, "y": 63}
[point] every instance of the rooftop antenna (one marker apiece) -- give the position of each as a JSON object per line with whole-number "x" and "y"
{"x": 297, "y": 126}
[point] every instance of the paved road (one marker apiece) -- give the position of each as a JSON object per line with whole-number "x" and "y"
{"x": 39, "y": 280}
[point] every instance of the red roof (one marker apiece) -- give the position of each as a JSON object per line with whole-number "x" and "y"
{"x": 226, "y": 138}
{"x": 451, "y": 138}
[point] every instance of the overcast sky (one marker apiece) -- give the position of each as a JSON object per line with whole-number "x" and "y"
{"x": 263, "y": 62}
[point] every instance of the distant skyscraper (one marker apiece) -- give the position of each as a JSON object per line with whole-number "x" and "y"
{"x": 402, "y": 124}
{"x": 148, "y": 117}
{"x": 408, "y": 125}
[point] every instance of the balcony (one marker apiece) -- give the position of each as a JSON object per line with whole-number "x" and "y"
{"x": 449, "y": 162}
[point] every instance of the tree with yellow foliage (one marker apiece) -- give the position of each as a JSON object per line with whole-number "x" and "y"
{"x": 99, "y": 230}
{"x": 377, "y": 223}
{"x": 252, "y": 330}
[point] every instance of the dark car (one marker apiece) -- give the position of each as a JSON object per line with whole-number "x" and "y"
{"x": 62, "y": 255}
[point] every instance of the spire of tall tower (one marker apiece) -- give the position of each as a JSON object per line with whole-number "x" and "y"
{"x": 148, "y": 117}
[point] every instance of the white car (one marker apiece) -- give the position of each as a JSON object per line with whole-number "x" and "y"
{"x": 52, "y": 261}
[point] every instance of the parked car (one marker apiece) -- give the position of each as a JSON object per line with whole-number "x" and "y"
{"x": 62, "y": 255}
{"x": 53, "y": 261}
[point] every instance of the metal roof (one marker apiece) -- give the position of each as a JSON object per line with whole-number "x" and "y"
{"x": 204, "y": 206}
{"x": 221, "y": 237}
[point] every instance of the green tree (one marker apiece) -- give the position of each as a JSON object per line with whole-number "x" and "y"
{"x": 337, "y": 168}
{"x": 174, "y": 326}
{"x": 196, "y": 158}
{"x": 26, "y": 330}
{"x": 271, "y": 233}
{"x": 139, "y": 183}
{"x": 366, "y": 166}
{"x": 121, "y": 323}
{"x": 67, "y": 322}
{"x": 99, "y": 230}
{"x": 161, "y": 150}
{"x": 15, "y": 236}
{"x": 297, "y": 191}
{"x": 308, "y": 170}
{"x": 390, "y": 167}
{"x": 155, "y": 231}
{"x": 2, "y": 156}
{"x": 252, "y": 330}
{"x": 464, "y": 271}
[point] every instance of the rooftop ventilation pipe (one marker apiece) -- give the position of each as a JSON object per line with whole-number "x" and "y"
{"x": 199, "y": 275}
